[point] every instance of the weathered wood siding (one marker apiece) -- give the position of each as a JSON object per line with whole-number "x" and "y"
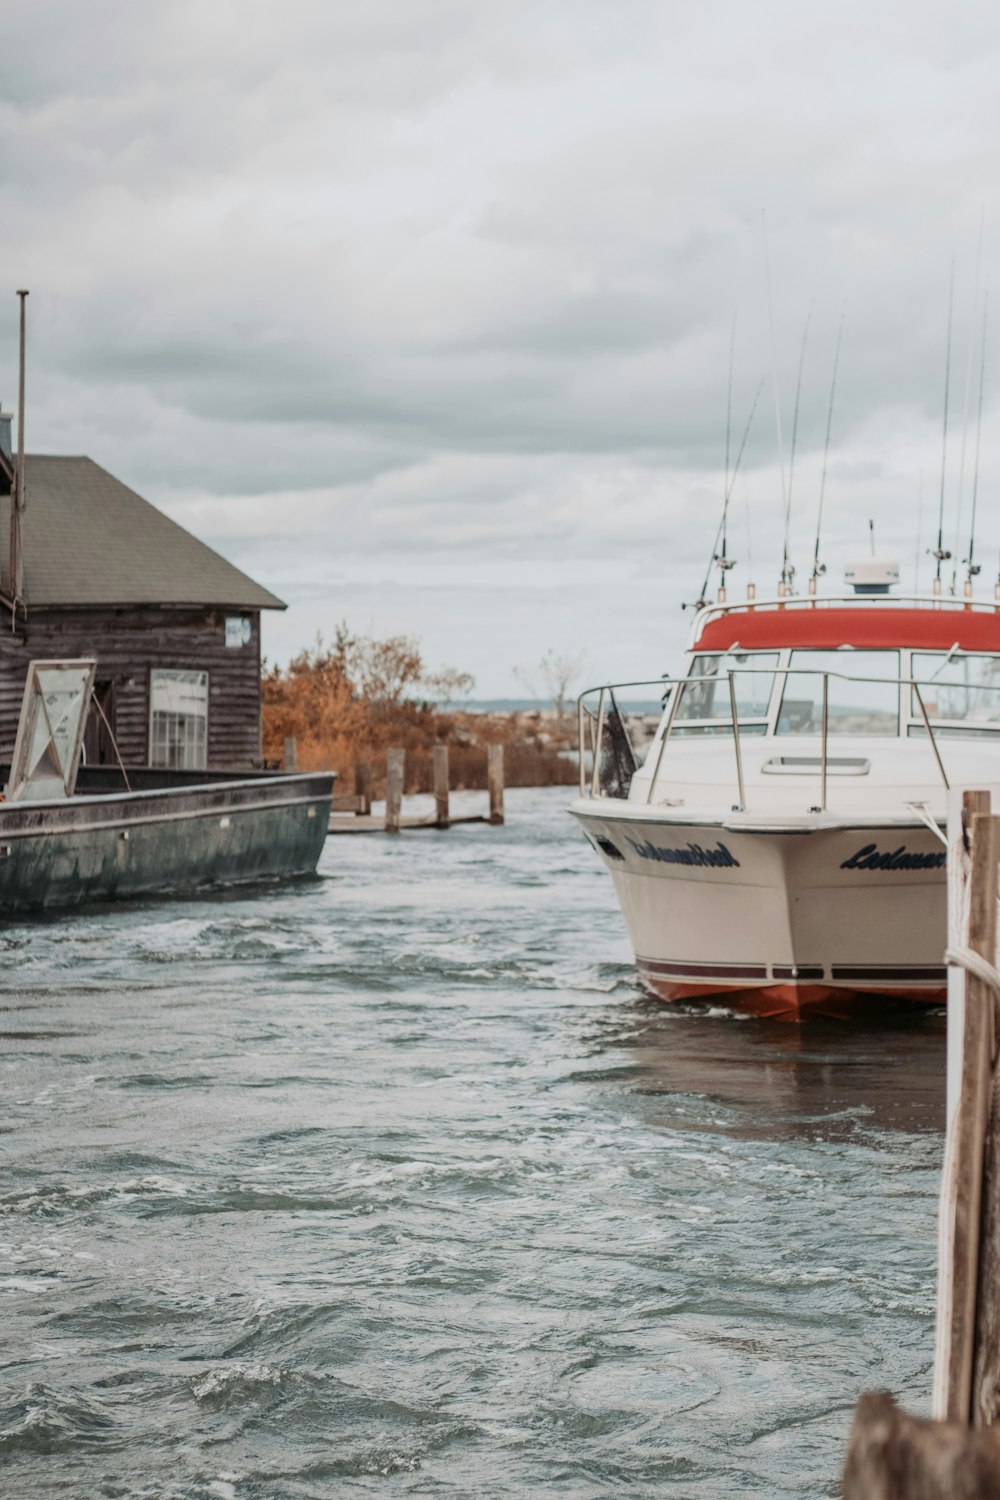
{"x": 127, "y": 644}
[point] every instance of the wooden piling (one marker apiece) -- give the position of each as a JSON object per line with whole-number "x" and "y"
{"x": 892, "y": 1455}
{"x": 394, "y": 775}
{"x": 441, "y": 787}
{"x": 291, "y": 756}
{"x": 962, "y": 1196}
{"x": 363, "y": 787}
{"x": 494, "y": 776}
{"x": 985, "y": 1392}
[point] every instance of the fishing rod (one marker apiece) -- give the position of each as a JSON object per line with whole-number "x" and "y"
{"x": 723, "y": 561}
{"x": 965, "y": 404}
{"x": 702, "y": 599}
{"x": 972, "y": 567}
{"x": 939, "y": 552}
{"x": 820, "y": 568}
{"x": 774, "y": 369}
{"x": 787, "y": 570}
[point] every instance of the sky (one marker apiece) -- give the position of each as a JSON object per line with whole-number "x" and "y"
{"x": 423, "y": 312}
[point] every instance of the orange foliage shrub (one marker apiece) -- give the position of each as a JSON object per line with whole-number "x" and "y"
{"x": 352, "y": 701}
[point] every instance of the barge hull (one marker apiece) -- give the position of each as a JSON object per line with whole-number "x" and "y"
{"x": 61, "y": 854}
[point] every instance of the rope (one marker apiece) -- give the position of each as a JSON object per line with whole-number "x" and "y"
{"x": 964, "y": 958}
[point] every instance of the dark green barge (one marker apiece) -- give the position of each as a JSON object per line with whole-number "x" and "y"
{"x": 173, "y": 831}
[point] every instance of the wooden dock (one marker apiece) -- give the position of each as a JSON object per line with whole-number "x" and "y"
{"x": 353, "y": 814}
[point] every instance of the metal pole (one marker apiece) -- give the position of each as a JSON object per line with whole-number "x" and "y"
{"x": 16, "y": 557}
{"x": 930, "y": 735}
{"x": 736, "y": 742}
{"x": 583, "y": 749}
{"x": 671, "y": 714}
{"x": 826, "y": 725}
{"x": 595, "y": 780}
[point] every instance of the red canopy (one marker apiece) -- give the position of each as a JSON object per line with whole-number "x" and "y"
{"x": 926, "y": 629}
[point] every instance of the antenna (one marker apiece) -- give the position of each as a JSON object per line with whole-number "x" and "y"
{"x": 818, "y": 567}
{"x": 787, "y": 571}
{"x": 19, "y": 497}
{"x": 965, "y": 407}
{"x": 774, "y": 375}
{"x": 972, "y": 567}
{"x": 939, "y": 552}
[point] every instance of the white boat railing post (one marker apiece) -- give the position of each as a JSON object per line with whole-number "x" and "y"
{"x": 580, "y": 721}
{"x": 736, "y": 743}
{"x": 678, "y": 689}
{"x": 595, "y": 780}
{"x": 931, "y": 736}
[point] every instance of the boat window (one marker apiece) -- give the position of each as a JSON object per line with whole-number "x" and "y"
{"x": 178, "y": 719}
{"x": 855, "y": 706}
{"x": 964, "y": 690}
{"x": 705, "y": 706}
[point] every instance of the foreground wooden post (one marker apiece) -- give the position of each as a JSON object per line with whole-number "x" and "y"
{"x": 441, "y": 785}
{"x": 363, "y": 787}
{"x": 986, "y": 1340}
{"x": 291, "y": 756}
{"x": 893, "y": 1456}
{"x": 395, "y": 771}
{"x": 494, "y": 777}
{"x": 961, "y": 1193}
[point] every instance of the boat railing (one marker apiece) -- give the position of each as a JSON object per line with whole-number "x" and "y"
{"x": 608, "y": 760}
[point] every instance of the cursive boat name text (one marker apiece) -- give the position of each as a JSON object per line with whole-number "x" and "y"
{"x": 872, "y": 858}
{"x": 694, "y": 854}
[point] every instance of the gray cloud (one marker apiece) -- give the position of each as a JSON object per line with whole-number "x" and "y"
{"x": 450, "y": 287}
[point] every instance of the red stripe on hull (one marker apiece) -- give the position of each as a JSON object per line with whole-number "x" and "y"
{"x": 791, "y": 1002}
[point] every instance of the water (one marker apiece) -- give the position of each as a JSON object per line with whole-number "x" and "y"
{"x": 393, "y": 1184}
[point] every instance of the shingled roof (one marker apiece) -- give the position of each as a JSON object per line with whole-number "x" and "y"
{"x": 88, "y": 539}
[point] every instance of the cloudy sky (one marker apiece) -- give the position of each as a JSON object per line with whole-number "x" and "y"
{"x": 421, "y": 310}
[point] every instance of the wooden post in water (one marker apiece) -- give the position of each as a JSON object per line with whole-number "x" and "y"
{"x": 985, "y": 1394}
{"x": 291, "y": 756}
{"x": 441, "y": 786}
{"x": 494, "y": 776}
{"x": 363, "y": 787}
{"x": 962, "y": 1195}
{"x": 395, "y": 771}
{"x": 891, "y": 1455}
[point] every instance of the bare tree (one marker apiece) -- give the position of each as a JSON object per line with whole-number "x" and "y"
{"x": 552, "y": 678}
{"x": 450, "y": 685}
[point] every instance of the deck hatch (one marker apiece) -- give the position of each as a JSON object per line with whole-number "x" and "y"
{"x": 808, "y": 765}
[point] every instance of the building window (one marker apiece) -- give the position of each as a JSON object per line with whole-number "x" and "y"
{"x": 178, "y": 719}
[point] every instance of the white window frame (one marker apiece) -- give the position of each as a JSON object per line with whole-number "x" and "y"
{"x": 189, "y": 738}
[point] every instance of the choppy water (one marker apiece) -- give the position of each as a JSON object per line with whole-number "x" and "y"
{"x": 394, "y": 1184}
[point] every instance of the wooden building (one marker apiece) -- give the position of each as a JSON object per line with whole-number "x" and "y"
{"x": 174, "y": 628}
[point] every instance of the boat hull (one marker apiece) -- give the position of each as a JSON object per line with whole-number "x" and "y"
{"x": 783, "y": 923}
{"x": 62, "y": 854}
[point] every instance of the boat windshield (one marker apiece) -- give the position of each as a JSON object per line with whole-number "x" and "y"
{"x": 705, "y": 706}
{"x": 854, "y": 707}
{"x": 961, "y": 691}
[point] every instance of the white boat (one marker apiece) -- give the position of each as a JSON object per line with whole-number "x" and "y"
{"x": 782, "y": 844}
